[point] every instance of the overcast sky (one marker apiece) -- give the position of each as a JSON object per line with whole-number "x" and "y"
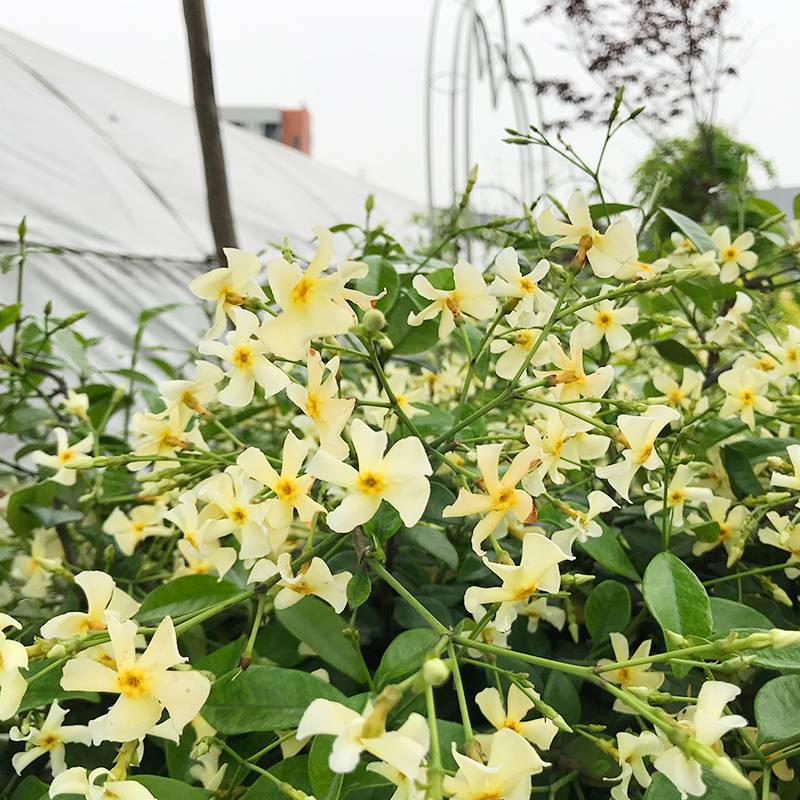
{"x": 359, "y": 66}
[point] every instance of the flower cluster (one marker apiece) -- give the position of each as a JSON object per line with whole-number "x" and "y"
{"x": 421, "y": 526}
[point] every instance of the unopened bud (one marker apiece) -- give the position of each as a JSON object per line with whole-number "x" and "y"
{"x": 725, "y": 768}
{"x": 781, "y": 638}
{"x": 57, "y": 651}
{"x": 374, "y": 321}
{"x": 584, "y": 246}
{"x": 48, "y": 308}
{"x": 435, "y": 672}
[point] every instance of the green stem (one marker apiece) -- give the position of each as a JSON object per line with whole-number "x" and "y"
{"x": 434, "y": 791}
{"x": 469, "y": 736}
{"x": 438, "y": 626}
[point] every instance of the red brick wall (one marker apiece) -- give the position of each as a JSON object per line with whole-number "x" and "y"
{"x": 296, "y": 129}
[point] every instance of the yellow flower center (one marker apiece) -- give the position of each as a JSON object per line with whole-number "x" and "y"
{"x": 503, "y": 499}
{"x": 729, "y": 253}
{"x": 243, "y": 356}
{"x": 525, "y": 592}
{"x": 370, "y": 482}
{"x": 645, "y": 453}
{"x": 604, "y": 320}
{"x": 286, "y": 489}
{"x": 676, "y": 496}
{"x": 524, "y": 339}
{"x": 527, "y": 285}
{"x": 624, "y": 676}
{"x": 675, "y": 397}
{"x": 303, "y": 290}
{"x": 49, "y": 741}
{"x": 65, "y": 456}
{"x": 238, "y": 515}
{"x": 137, "y": 528}
{"x": 131, "y": 682}
{"x": 746, "y": 397}
{"x": 313, "y": 406}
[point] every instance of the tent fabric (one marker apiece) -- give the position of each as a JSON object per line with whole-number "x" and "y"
{"x": 113, "y": 174}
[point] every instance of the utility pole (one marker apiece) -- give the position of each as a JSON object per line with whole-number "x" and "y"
{"x": 205, "y": 106}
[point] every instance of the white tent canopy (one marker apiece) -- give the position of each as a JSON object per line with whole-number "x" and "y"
{"x": 113, "y": 174}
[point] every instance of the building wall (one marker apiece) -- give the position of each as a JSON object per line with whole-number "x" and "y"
{"x": 296, "y": 129}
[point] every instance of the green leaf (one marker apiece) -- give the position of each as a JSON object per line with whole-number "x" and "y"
{"x": 608, "y": 608}
{"x": 740, "y": 473}
{"x": 609, "y": 553}
{"x": 322, "y": 629}
{"x": 431, "y": 541}
{"x": 777, "y": 708}
{"x": 560, "y": 692}
{"x": 9, "y": 315}
{"x": 674, "y": 351}
{"x": 409, "y": 339}
{"x": 30, "y": 788}
{"x": 404, "y": 655}
{"x": 696, "y": 235}
{"x": 661, "y": 788}
{"x": 727, "y": 615}
{"x": 325, "y": 783}
{"x": 170, "y": 789}
{"x": 440, "y": 497}
{"x": 293, "y": 770}
{"x": 44, "y": 690}
{"x": 796, "y": 206}
{"x": 358, "y": 589}
{"x": 600, "y": 210}
{"x": 49, "y": 517}
{"x": 676, "y": 598}
{"x": 385, "y": 523}
{"x": 381, "y": 275}
{"x": 264, "y": 698}
{"x": 184, "y": 596}
{"x": 20, "y": 519}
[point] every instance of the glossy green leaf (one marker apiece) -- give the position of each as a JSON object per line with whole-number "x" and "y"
{"x": 184, "y": 596}
{"x": 672, "y": 350}
{"x": 381, "y": 276}
{"x": 696, "y": 235}
{"x": 676, "y": 598}
{"x": 777, "y": 708}
{"x": 608, "y": 609}
{"x": 264, "y": 698}
{"x": 727, "y": 615}
{"x": 170, "y": 789}
{"x": 404, "y": 655}
{"x": 607, "y": 551}
{"x": 20, "y": 518}
{"x": 432, "y": 541}
{"x": 358, "y": 589}
{"x": 322, "y": 629}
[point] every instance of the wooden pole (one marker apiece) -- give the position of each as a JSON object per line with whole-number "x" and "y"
{"x": 205, "y": 106}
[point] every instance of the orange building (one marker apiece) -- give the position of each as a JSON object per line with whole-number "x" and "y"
{"x": 290, "y": 126}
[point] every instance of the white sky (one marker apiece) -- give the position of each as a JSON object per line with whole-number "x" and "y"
{"x": 359, "y": 66}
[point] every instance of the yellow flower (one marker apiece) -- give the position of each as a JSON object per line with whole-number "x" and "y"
{"x": 608, "y": 252}
{"x": 129, "y": 530}
{"x": 13, "y": 658}
{"x": 500, "y": 495}
{"x": 229, "y": 286}
{"x": 469, "y": 298}
{"x": 49, "y": 739}
{"x": 400, "y": 477}
{"x": 146, "y": 684}
{"x": 102, "y": 595}
{"x": 68, "y": 458}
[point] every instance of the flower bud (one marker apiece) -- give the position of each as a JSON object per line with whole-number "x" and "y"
{"x": 781, "y": 638}
{"x": 374, "y": 321}
{"x": 435, "y": 672}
